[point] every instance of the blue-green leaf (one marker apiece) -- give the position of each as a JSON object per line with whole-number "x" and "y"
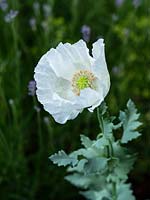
{"x": 124, "y": 192}
{"x": 95, "y": 165}
{"x": 79, "y": 167}
{"x": 97, "y": 195}
{"x": 103, "y": 108}
{"x": 62, "y": 159}
{"x": 79, "y": 180}
{"x": 108, "y": 127}
{"x": 123, "y": 168}
{"x": 101, "y": 142}
{"x": 86, "y": 142}
{"x": 129, "y": 118}
{"x": 87, "y": 153}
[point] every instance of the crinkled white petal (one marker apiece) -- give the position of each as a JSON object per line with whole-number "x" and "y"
{"x": 102, "y": 87}
{"x": 96, "y": 104}
{"x": 99, "y": 67}
{"x": 83, "y": 54}
{"x": 77, "y": 54}
{"x": 44, "y": 95}
{"x": 63, "y": 88}
{"x": 44, "y": 75}
{"x": 60, "y": 65}
{"x": 45, "y": 79}
{"x": 63, "y": 117}
{"x": 58, "y": 104}
{"x": 88, "y": 98}
{"x": 61, "y": 109}
{"x": 47, "y": 82}
{"x": 66, "y": 59}
{"x": 98, "y": 49}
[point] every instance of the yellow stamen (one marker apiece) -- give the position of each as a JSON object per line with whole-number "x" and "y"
{"x": 81, "y": 80}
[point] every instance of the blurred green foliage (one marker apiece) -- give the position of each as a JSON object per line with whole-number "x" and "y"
{"x": 28, "y": 135}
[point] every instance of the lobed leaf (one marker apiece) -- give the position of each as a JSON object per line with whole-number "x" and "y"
{"x": 79, "y": 180}
{"x": 108, "y": 127}
{"x": 129, "y": 119}
{"x": 106, "y": 122}
{"x": 97, "y": 195}
{"x": 124, "y": 192}
{"x": 86, "y": 142}
{"x": 79, "y": 167}
{"x": 103, "y": 108}
{"x": 101, "y": 142}
{"x": 95, "y": 165}
{"x": 62, "y": 159}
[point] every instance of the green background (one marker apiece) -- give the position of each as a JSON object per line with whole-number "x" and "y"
{"x": 29, "y": 136}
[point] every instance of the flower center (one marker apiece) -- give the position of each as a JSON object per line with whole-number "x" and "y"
{"x": 81, "y": 80}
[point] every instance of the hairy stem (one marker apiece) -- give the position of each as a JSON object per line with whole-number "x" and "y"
{"x": 110, "y": 150}
{"x": 100, "y": 120}
{"x": 114, "y": 192}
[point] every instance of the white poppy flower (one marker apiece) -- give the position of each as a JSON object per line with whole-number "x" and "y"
{"x": 68, "y": 79}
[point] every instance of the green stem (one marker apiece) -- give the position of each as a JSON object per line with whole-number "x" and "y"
{"x": 114, "y": 192}
{"x": 110, "y": 150}
{"x": 111, "y": 147}
{"x": 100, "y": 120}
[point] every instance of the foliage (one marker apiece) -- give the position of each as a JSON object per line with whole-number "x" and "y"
{"x": 62, "y": 159}
{"x": 130, "y": 124}
{"x": 101, "y": 168}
